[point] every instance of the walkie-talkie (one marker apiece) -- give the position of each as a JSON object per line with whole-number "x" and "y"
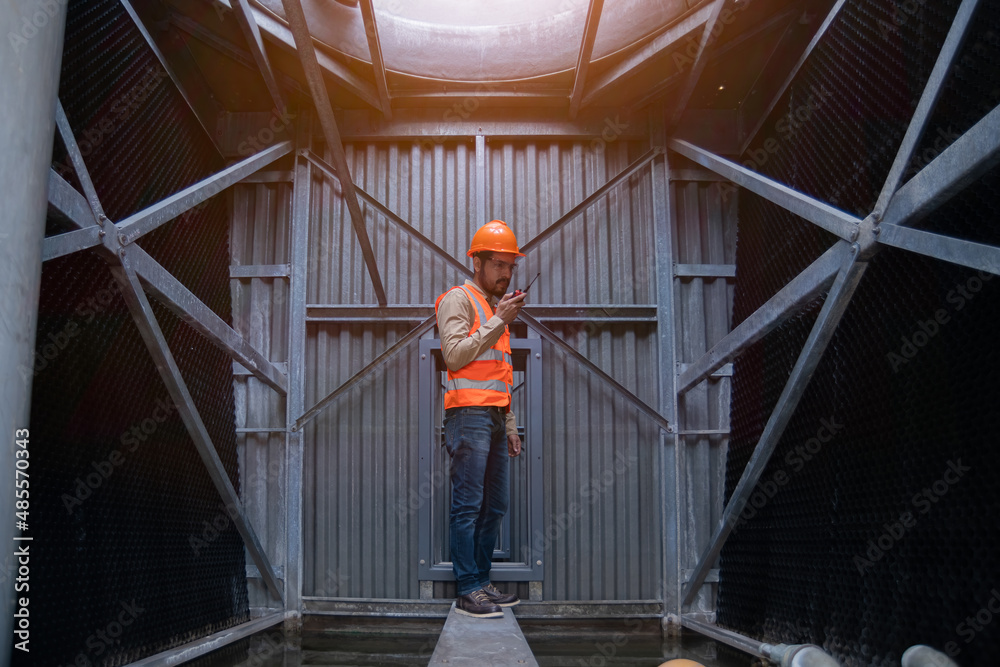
{"x": 523, "y": 291}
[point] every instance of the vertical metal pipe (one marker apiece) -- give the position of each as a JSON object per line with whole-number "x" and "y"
{"x": 29, "y": 72}
{"x": 669, "y": 443}
{"x": 295, "y": 439}
{"x": 480, "y": 182}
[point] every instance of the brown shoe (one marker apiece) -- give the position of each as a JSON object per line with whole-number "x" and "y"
{"x": 499, "y": 598}
{"x": 478, "y": 605}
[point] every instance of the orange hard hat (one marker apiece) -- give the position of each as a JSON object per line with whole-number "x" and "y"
{"x": 494, "y": 236}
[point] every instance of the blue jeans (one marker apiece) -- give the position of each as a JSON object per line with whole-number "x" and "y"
{"x": 476, "y": 439}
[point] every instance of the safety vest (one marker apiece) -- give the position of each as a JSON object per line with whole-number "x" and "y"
{"x": 487, "y": 379}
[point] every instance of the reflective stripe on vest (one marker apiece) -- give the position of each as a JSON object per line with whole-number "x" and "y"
{"x": 479, "y": 308}
{"x": 487, "y": 385}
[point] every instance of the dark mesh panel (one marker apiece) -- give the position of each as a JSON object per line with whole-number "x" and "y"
{"x": 873, "y": 527}
{"x": 133, "y": 551}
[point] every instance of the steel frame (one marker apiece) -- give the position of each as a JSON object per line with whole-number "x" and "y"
{"x": 696, "y": 68}
{"x": 968, "y": 158}
{"x": 125, "y": 260}
{"x": 244, "y": 16}
{"x": 321, "y": 98}
{"x": 583, "y": 59}
{"x": 787, "y": 17}
{"x": 213, "y": 642}
{"x": 274, "y": 30}
{"x": 672, "y": 453}
{"x": 659, "y": 45}
{"x": 375, "y": 49}
{"x": 199, "y": 113}
{"x": 228, "y": 49}
{"x": 831, "y": 15}
{"x": 295, "y": 441}
{"x": 833, "y": 220}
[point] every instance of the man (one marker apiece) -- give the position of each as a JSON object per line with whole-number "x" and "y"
{"x": 480, "y": 430}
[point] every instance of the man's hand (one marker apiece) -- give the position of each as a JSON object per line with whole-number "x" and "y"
{"x": 513, "y": 445}
{"x": 510, "y": 306}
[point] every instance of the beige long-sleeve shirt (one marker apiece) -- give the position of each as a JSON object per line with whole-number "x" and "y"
{"x": 455, "y": 316}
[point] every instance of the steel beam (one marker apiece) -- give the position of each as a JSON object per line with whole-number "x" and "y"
{"x": 598, "y": 312}
{"x": 260, "y": 271}
{"x": 245, "y": 17}
{"x": 819, "y": 213}
{"x": 146, "y": 220}
{"x": 76, "y": 159}
{"x": 183, "y": 303}
{"x": 355, "y": 379}
{"x": 228, "y": 49}
{"x": 671, "y": 492}
{"x": 660, "y": 44}
{"x": 696, "y": 68}
{"x": 426, "y": 126}
{"x": 213, "y": 642}
{"x": 705, "y": 270}
{"x": 480, "y": 178}
{"x": 789, "y": 300}
{"x": 149, "y": 328}
{"x": 307, "y": 55}
{"x": 965, "y": 253}
{"x": 70, "y": 242}
{"x": 392, "y": 217}
{"x": 66, "y": 201}
{"x": 583, "y": 59}
{"x": 295, "y": 441}
{"x": 928, "y": 99}
{"x": 277, "y": 32}
{"x": 626, "y": 173}
{"x": 625, "y": 392}
{"x": 375, "y": 49}
{"x": 750, "y": 34}
{"x": 207, "y": 123}
{"x": 161, "y": 283}
{"x": 969, "y": 157}
{"x": 831, "y": 15}
{"x": 836, "y": 303}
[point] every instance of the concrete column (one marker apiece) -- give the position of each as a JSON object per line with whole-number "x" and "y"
{"x": 31, "y": 41}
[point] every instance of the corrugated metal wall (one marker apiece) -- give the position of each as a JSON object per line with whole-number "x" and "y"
{"x": 259, "y": 236}
{"x": 704, "y": 219}
{"x": 602, "y": 459}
